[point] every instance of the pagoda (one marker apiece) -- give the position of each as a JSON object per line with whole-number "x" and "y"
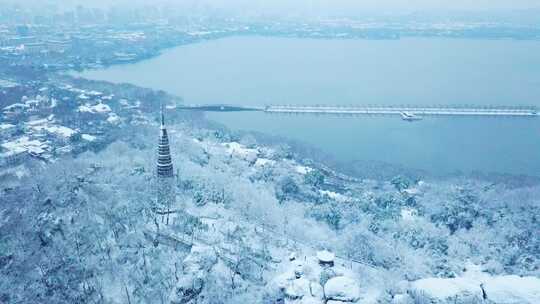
{"x": 165, "y": 175}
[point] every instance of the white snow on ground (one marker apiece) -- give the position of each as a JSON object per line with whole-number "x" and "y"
{"x": 95, "y": 93}
{"x": 21, "y": 172}
{"x": 442, "y": 289}
{"x": 402, "y": 299}
{"x": 297, "y": 288}
{"x": 300, "y": 283}
{"x": 303, "y": 169}
{"x": 98, "y": 108}
{"x": 335, "y": 196}
{"x": 239, "y": 150}
{"x": 412, "y": 191}
{"x": 88, "y": 137}
{"x": 504, "y": 289}
{"x": 113, "y": 290}
{"x": 513, "y": 289}
{"x": 123, "y": 102}
{"x": 261, "y": 162}
{"x": 305, "y": 289}
{"x": 113, "y": 118}
{"x": 342, "y": 289}
{"x": 408, "y": 214}
{"x": 101, "y": 108}
{"x": 85, "y": 108}
{"x": 416, "y": 190}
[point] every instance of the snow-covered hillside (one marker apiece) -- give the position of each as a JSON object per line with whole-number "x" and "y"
{"x": 257, "y": 224}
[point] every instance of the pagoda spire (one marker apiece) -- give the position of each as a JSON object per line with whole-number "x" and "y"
{"x": 162, "y": 117}
{"x": 164, "y": 160}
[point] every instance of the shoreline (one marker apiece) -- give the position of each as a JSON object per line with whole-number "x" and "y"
{"x": 338, "y": 165}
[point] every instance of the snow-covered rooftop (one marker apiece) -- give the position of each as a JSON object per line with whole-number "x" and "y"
{"x": 37, "y": 122}
{"x": 88, "y": 137}
{"x": 61, "y": 131}
{"x": 6, "y": 126}
{"x": 326, "y": 256}
{"x": 94, "y": 93}
{"x": 113, "y": 118}
{"x": 342, "y": 289}
{"x": 98, "y": 108}
{"x": 45, "y": 125}
{"x": 16, "y": 106}
{"x": 7, "y": 84}
{"x": 25, "y": 144}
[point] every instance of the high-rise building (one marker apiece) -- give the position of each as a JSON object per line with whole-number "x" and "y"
{"x": 165, "y": 175}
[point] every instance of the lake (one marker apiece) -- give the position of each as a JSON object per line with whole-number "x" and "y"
{"x": 424, "y": 71}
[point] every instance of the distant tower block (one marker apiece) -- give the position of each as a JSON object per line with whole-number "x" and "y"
{"x": 165, "y": 175}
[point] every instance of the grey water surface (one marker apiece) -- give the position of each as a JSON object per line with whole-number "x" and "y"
{"x": 417, "y": 71}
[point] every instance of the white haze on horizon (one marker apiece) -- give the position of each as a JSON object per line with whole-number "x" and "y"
{"x": 288, "y": 6}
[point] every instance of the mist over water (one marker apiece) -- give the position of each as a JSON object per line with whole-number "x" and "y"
{"x": 259, "y": 71}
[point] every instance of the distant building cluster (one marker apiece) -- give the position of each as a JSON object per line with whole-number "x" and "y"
{"x": 73, "y": 38}
{"x": 43, "y": 122}
{"x": 89, "y": 38}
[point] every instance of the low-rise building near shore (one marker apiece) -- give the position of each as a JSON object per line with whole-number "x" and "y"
{"x": 12, "y": 158}
{"x": 7, "y": 130}
{"x": 15, "y": 152}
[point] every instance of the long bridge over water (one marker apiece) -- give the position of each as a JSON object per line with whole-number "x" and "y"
{"x": 406, "y": 112}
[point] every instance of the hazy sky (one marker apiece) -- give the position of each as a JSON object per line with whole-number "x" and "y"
{"x": 329, "y": 6}
{"x": 385, "y": 4}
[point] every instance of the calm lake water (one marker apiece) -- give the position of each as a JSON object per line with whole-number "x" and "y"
{"x": 259, "y": 71}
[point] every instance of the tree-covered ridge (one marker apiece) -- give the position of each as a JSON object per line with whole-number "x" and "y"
{"x": 85, "y": 230}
